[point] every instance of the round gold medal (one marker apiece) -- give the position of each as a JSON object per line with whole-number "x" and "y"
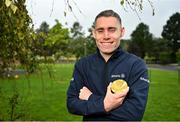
{"x": 118, "y": 86}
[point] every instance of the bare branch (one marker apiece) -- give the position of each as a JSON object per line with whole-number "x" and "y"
{"x": 135, "y": 5}
{"x": 52, "y": 8}
{"x": 151, "y": 4}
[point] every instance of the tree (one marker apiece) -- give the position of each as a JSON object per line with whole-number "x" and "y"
{"x": 16, "y": 36}
{"x": 91, "y": 43}
{"x": 44, "y": 27}
{"x": 42, "y": 34}
{"x": 78, "y": 41}
{"x": 57, "y": 40}
{"x": 77, "y": 47}
{"x": 76, "y": 30}
{"x": 159, "y": 47}
{"x": 171, "y": 32}
{"x": 141, "y": 40}
{"x": 125, "y": 43}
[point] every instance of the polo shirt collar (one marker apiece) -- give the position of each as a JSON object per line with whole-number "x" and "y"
{"x": 116, "y": 53}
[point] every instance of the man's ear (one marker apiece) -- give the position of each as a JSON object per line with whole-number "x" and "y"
{"x": 93, "y": 33}
{"x": 122, "y": 31}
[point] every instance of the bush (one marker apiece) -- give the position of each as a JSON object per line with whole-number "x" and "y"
{"x": 48, "y": 59}
{"x": 178, "y": 57}
{"x": 150, "y": 60}
{"x": 165, "y": 57}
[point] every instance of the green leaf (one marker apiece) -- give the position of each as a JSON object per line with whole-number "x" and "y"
{"x": 122, "y": 2}
{"x": 8, "y": 3}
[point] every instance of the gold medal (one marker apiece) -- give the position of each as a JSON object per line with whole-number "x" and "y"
{"x": 118, "y": 86}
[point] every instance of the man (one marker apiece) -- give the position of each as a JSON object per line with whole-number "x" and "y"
{"x": 89, "y": 93}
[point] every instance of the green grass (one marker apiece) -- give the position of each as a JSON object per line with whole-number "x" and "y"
{"x": 40, "y": 98}
{"x": 164, "y": 96}
{"x": 44, "y": 98}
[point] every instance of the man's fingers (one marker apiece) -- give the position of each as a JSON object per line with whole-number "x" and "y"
{"x": 122, "y": 94}
{"x": 126, "y": 90}
{"x": 84, "y": 93}
{"x": 109, "y": 87}
{"x": 83, "y": 88}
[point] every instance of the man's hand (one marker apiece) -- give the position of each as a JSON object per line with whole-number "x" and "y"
{"x": 112, "y": 101}
{"x": 84, "y": 93}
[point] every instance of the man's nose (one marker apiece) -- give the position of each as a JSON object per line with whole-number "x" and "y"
{"x": 106, "y": 35}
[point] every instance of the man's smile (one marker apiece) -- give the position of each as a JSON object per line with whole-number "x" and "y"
{"x": 106, "y": 43}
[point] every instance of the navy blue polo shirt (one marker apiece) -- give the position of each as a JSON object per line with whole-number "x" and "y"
{"x": 96, "y": 74}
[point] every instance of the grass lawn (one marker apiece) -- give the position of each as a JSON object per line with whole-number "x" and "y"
{"x": 39, "y": 97}
{"x": 164, "y": 96}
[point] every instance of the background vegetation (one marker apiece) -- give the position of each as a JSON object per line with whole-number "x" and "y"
{"x": 36, "y": 65}
{"x": 21, "y": 44}
{"x": 44, "y": 98}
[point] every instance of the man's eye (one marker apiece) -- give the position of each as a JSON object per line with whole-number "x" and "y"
{"x": 112, "y": 30}
{"x": 100, "y": 31}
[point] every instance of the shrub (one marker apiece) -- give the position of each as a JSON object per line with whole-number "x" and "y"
{"x": 178, "y": 57}
{"x": 165, "y": 57}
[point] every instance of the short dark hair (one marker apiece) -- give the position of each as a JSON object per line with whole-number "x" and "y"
{"x": 108, "y": 13}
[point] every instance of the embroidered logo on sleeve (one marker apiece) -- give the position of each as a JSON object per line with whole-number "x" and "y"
{"x": 144, "y": 79}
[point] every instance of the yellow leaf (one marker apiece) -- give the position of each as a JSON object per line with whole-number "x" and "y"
{"x": 14, "y": 8}
{"x": 8, "y": 3}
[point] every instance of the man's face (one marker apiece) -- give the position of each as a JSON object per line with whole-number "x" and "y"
{"x": 107, "y": 33}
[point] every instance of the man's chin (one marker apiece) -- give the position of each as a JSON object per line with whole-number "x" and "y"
{"x": 108, "y": 52}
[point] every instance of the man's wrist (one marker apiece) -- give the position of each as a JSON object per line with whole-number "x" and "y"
{"x": 89, "y": 96}
{"x": 107, "y": 109}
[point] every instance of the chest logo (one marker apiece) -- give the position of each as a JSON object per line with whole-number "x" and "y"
{"x": 122, "y": 75}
